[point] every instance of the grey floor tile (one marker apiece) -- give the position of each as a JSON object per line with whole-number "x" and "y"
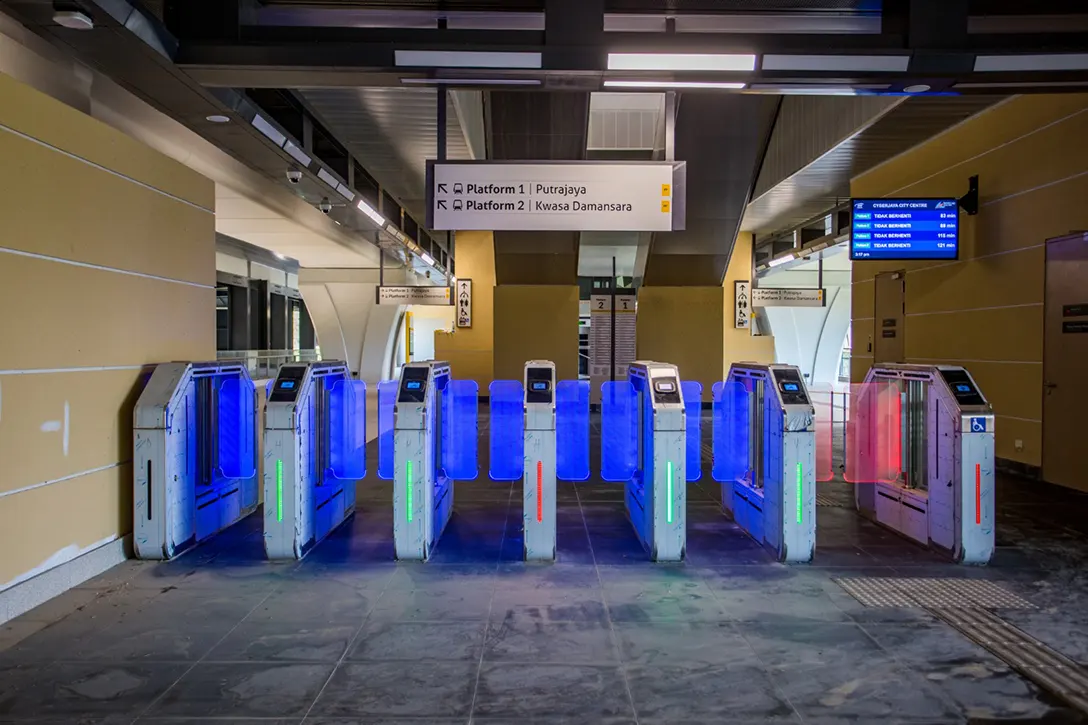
{"x": 74, "y": 690}
{"x": 868, "y": 694}
{"x": 399, "y": 690}
{"x": 680, "y": 601}
{"x": 691, "y": 644}
{"x": 61, "y": 606}
{"x": 577, "y": 608}
{"x": 932, "y": 643}
{"x": 432, "y": 604}
{"x": 988, "y": 690}
{"x": 15, "y": 631}
{"x": 264, "y": 641}
{"x": 551, "y": 691}
{"x": 244, "y": 690}
{"x": 799, "y": 643}
{"x": 531, "y": 642}
{"x": 779, "y": 606}
{"x": 328, "y": 601}
{"x": 418, "y": 641}
{"x": 688, "y": 691}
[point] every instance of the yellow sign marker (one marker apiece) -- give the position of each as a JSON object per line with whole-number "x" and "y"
{"x": 665, "y": 206}
{"x": 666, "y": 190}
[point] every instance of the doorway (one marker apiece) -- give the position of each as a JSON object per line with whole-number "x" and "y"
{"x": 1065, "y": 348}
{"x": 888, "y": 340}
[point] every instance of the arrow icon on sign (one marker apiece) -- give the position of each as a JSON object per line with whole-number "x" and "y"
{"x": 441, "y": 203}
{"x": 441, "y": 188}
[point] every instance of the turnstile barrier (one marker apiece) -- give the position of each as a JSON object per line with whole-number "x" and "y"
{"x": 314, "y": 452}
{"x": 194, "y": 455}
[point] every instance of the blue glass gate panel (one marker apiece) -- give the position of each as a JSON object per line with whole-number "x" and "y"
{"x": 619, "y": 433}
{"x": 693, "y": 413}
{"x": 572, "y": 430}
{"x": 387, "y": 399}
{"x": 717, "y": 430}
{"x": 237, "y": 436}
{"x": 507, "y": 436}
{"x": 347, "y": 430}
{"x": 460, "y": 429}
{"x": 731, "y": 432}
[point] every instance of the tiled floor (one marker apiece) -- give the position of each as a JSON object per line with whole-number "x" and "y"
{"x": 602, "y": 636}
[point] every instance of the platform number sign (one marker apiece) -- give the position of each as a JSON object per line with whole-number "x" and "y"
{"x": 978, "y": 425}
{"x": 464, "y": 303}
{"x": 742, "y": 293}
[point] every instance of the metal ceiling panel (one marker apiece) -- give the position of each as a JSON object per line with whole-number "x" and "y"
{"x": 824, "y": 183}
{"x": 392, "y": 131}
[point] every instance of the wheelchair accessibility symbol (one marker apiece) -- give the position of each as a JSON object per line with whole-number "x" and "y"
{"x": 978, "y": 425}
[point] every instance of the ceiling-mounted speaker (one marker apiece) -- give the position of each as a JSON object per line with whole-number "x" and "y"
{"x": 73, "y": 19}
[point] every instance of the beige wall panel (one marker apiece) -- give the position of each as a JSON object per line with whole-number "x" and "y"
{"x": 1002, "y": 280}
{"x": 36, "y": 525}
{"x": 1010, "y": 120}
{"x": 683, "y": 326}
{"x": 35, "y": 114}
{"x": 470, "y": 350}
{"x": 80, "y": 317}
{"x": 32, "y": 426}
{"x": 536, "y": 322}
{"x": 1007, "y": 334}
{"x": 105, "y": 220}
{"x": 740, "y": 345}
{"x": 1013, "y": 389}
{"x": 1030, "y": 433}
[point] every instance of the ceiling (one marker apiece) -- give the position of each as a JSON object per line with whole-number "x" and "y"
{"x": 392, "y": 131}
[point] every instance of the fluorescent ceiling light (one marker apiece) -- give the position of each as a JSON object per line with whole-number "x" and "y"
{"x": 296, "y": 153}
{"x": 466, "y": 59}
{"x": 803, "y": 90}
{"x": 1040, "y": 62}
{"x": 916, "y": 88}
{"x": 328, "y": 178}
{"x": 779, "y": 261}
{"x": 268, "y": 130}
{"x": 470, "y": 81}
{"x": 73, "y": 20}
{"x": 371, "y": 212}
{"x": 671, "y": 84}
{"x": 345, "y": 192}
{"x": 427, "y": 259}
{"x": 873, "y": 63}
{"x": 681, "y": 61}
{"x": 217, "y": 118}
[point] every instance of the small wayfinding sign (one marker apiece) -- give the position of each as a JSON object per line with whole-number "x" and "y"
{"x": 786, "y": 297}
{"x": 575, "y": 196}
{"x": 464, "y": 303}
{"x": 408, "y": 295}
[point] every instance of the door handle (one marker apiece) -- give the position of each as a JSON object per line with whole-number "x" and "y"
{"x": 1049, "y": 386}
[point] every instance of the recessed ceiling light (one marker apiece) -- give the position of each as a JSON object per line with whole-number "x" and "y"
{"x": 73, "y": 19}
{"x": 916, "y": 88}
{"x": 672, "y": 84}
{"x": 218, "y": 118}
{"x": 682, "y": 61}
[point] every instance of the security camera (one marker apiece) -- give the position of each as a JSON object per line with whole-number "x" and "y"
{"x": 294, "y": 175}
{"x": 325, "y": 206}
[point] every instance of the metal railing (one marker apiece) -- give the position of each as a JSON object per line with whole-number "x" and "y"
{"x": 264, "y": 364}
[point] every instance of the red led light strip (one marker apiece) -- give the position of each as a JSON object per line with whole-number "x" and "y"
{"x": 978, "y": 493}
{"x": 539, "y": 492}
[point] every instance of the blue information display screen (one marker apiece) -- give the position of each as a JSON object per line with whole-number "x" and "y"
{"x": 287, "y": 384}
{"x": 894, "y": 229}
{"x": 791, "y": 387}
{"x": 539, "y": 386}
{"x": 414, "y": 384}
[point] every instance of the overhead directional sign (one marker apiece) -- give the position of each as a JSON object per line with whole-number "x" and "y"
{"x": 418, "y": 295}
{"x": 575, "y": 196}
{"x": 787, "y": 297}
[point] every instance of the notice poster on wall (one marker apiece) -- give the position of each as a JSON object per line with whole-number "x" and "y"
{"x": 600, "y": 338}
{"x": 742, "y": 305}
{"x": 464, "y": 303}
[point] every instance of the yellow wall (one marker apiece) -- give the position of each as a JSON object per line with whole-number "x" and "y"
{"x": 683, "y": 326}
{"x": 536, "y": 322}
{"x": 741, "y": 345}
{"x": 985, "y": 311}
{"x": 470, "y": 350}
{"x": 104, "y": 272}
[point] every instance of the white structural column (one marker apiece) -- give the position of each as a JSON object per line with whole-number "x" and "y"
{"x": 350, "y": 325}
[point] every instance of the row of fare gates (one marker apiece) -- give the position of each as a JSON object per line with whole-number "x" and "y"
{"x": 920, "y": 451}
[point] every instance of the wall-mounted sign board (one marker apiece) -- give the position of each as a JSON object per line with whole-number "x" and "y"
{"x": 464, "y": 303}
{"x": 411, "y": 295}
{"x": 742, "y": 302}
{"x": 786, "y": 297}
{"x": 556, "y": 196}
{"x": 896, "y": 229}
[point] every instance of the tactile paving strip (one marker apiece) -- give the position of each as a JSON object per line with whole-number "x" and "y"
{"x": 932, "y": 593}
{"x": 823, "y": 499}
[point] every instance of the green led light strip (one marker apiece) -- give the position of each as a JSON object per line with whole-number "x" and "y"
{"x": 799, "y": 479}
{"x": 408, "y": 471}
{"x": 668, "y": 511}
{"x": 279, "y": 490}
